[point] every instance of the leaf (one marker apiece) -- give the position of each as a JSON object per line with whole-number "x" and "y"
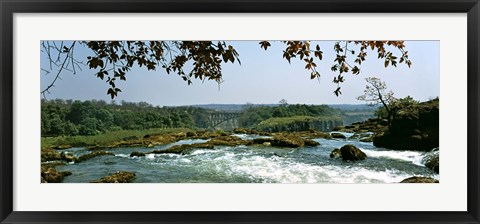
{"x": 337, "y": 91}
{"x": 264, "y": 44}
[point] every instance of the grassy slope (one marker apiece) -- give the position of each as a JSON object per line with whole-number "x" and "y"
{"x": 287, "y": 120}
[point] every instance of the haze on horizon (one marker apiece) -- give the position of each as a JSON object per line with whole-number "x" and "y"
{"x": 263, "y": 77}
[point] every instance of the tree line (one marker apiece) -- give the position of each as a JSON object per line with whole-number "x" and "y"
{"x": 68, "y": 117}
{"x": 251, "y": 116}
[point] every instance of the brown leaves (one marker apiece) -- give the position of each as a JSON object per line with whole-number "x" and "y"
{"x": 265, "y": 44}
{"x": 115, "y": 58}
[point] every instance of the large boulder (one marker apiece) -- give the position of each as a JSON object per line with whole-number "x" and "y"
{"x": 415, "y": 127}
{"x": 352, "y": 153}
{"x": 335, "y": 154}
{"x": 416, "y": 179}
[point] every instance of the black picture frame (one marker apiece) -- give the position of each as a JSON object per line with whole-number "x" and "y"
{"x": 9, "y": 7}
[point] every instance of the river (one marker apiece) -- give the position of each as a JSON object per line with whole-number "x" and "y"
{"x": 246, "y": 164}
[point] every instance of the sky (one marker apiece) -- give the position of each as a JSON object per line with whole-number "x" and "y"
{"x": 264, "y": 77}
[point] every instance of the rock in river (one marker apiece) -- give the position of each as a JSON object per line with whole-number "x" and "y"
{"x": 338, "y": 135}
{"x": 350, "y": 152}
{"x": 289, "y": 141}
{"x": 335, "y": 154}
{"x": 419, "y": 180}
{"x": 118, "y": 177}
{"x": 138, "y": 154}
{"x": 433, "y": 163}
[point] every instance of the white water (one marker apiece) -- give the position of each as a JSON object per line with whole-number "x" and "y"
{"x": 244, "y": 164}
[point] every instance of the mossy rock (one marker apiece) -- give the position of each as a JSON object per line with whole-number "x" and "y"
{"x": 118, "y": 177}
{"x": 51, "y": 175}
{"x": 92, "y": 155}
{"x": 50, "y": 155}
{"x": 416, "y": 179}
{"x": 288, "y": 141}
{"x": 338, "y": 135}
{"x": 311, "y": 143}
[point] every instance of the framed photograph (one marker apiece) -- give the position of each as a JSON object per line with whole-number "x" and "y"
{"x": 242, "y": 112}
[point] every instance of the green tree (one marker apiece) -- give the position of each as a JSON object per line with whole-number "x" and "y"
{"x": 112, "y": 60}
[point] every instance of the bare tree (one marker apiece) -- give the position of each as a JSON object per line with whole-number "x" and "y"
{"x": 376, "y": 93}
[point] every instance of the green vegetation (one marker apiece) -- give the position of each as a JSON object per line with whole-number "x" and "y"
{"x": 298, "y": 123}
{"x": 253, "y": 116}
{"x": 71, "y": 118}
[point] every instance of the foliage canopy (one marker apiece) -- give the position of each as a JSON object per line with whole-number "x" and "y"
{"x": 112, "y": 60}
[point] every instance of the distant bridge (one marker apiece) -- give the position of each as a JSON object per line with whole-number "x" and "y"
{"x": 223, "y": 119}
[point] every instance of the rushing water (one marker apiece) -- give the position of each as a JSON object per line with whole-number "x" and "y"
{"x": 246, "y": 164}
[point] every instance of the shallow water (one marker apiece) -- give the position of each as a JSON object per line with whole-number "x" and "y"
{"x": 246, "y": 164}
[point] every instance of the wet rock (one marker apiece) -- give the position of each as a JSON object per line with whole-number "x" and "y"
{"x": 289, "y": 141}
{"x": 335, "y": 154}
{"x": 50, "y": 175}
{"x": 352, "y": 153}
{"x": 416, "y": 179}
{"x": 50, "y": 155}
{"x": 67, "y": 157}
{"x": 262, "y": 140}
{"x": 118, "y": 177}
{"x": 137, "y": 154}
{"x": 311, "y": 143}
{"x": 183, "y": 149}
{"x": 433, "y": 163}
{"x": 228, "y": 140}
{"x": 338, "y": 135}
{"x": 92, "y": 155}
{"x": 367, "y": 139}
